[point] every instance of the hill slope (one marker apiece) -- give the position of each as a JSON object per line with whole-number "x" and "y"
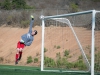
{"x": 53, "y": 38}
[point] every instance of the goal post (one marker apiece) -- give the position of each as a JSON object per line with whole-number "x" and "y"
{"x": 67, "y": 19}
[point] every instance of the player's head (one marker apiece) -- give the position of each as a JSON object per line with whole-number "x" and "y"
{"x": 34, "y": 32}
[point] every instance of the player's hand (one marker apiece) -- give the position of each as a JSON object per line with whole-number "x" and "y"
{"x": 32, "y": 17}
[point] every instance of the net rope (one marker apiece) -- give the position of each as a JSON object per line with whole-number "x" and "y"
{"x": 66, "y": 21}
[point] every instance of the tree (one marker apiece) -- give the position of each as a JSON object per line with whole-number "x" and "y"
{"x": 74, "y": 7}
{"x": 6, "y": 5}
{"x": 18, "y": 4}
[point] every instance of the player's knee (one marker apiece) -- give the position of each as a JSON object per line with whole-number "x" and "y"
{"x": 17, "y": 52}
{"x": 21, "y": 49}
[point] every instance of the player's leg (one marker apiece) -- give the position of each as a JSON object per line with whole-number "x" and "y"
{"x": 20, "y": 55}
{"x": 21, "y": 49}
{"x": 17, "y": 53}
{"x": 16, "y": 57}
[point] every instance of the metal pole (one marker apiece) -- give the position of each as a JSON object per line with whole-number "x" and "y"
{"x": 71, "y": 14}
{"x": 42, "y": 50}
{"x": 93, "y": 43}
{"x": 57, "y": 14}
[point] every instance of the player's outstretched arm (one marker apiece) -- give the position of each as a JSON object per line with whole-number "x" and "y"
{"x": 31, "y": 24}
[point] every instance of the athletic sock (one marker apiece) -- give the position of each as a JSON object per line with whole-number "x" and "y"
{"x": 17, "y": 55}
{"x": 20, "y": 55}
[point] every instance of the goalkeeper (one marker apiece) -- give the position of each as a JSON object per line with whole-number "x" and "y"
{"x": 26, "y": 40}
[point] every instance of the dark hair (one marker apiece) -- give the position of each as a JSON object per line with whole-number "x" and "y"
{"x": 35, "y": 32}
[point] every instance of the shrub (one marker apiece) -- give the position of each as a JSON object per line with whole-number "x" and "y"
{"x": 80, "y": 65}
{"x": 14, "y": 4}
{"x": 29, "y": 60}
{"x": 9, "y": 20}
{"x": 54, "y": 46}
{"x": 59, "y": 63}
{"x": 69, "y": 65}
{"x": 62, "y": 62}
{"x": 1, "y": 59}
{"x": 74, "y": 7}
{"x": 58, "y": 47}
{"x": 24, "y": 24}
{"x": 88, "y": 47}
{"x": 69, "y": 56}
{"x": 58, "y": 55}
{"x": 66, "y": 53}
{"x": 6, "y": 5}
{"x": 35, "y": 60}
{"x": 80, "y": 57}
{"x": 29, "y": 7}
{"x": 96, "y": 49}
{"x": 37, "y": 54}
{"x": 97, "y": 59}
{"x": 45, "y": 50}
{"x": 49, "y": 62}
{"x": 97, "y": 66}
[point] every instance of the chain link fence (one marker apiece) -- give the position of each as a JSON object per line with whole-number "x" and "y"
{"x": 20, "y": 18}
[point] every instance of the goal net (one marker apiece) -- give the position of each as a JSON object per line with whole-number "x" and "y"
{"x": 68, "y": 42}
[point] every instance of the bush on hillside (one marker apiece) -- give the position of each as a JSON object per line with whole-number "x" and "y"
{"x": 29, "y": 59}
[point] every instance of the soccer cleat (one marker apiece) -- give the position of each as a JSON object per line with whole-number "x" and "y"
{"x": 32, "y": 17}
{"x": 19, "y": 58}
{"x": 16, "y": 62}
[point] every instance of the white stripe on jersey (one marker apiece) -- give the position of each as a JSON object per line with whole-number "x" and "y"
{"x": 28, "y": 35}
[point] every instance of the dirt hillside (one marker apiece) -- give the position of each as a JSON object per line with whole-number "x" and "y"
{"x": 62, "y": 37}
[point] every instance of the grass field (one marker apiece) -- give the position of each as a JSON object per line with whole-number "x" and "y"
{"x": 24, "y": 70}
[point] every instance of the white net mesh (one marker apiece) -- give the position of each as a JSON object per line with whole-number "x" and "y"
{"x": 63, "y": 50}
{"x": 66, "y": 21}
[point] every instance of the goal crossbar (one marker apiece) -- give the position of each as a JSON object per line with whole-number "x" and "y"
{"x": 63, "y": 15}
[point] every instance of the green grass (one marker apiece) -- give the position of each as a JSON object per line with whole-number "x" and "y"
{"x": 25, "y": 70}
{"x": 18, "y": 67}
